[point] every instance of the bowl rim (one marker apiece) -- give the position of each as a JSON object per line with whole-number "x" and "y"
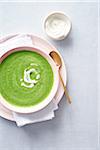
{"x": 53, "y": 91}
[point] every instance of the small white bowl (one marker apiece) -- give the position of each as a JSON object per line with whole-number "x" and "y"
{"x": 57, "y": 25}
{"x": 51, "y": 95}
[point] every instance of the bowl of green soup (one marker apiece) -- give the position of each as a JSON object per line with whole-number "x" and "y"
{"x": 28, "y": 79}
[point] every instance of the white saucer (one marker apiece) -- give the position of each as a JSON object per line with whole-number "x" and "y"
{"x": 47, "y": 47}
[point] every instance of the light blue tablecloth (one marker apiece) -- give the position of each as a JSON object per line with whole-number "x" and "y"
{"x": 75, "y": 126}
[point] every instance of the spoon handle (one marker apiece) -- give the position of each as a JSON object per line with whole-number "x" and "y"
{"x": 65, "y": 89}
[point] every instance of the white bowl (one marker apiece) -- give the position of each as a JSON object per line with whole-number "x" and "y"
{"x": 51, "y": 95}
{"x": 57, "y": 25}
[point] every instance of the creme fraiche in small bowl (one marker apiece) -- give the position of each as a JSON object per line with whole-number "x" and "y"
{"x": 57, "y": 25}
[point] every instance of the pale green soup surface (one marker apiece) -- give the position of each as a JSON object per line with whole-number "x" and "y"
{"x": 26, "y": 78}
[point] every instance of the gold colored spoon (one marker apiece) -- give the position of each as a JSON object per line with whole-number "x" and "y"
{"x": 55, "y": 56}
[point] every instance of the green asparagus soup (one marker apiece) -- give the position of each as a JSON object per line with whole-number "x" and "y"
{"x": 26, "y": 78}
